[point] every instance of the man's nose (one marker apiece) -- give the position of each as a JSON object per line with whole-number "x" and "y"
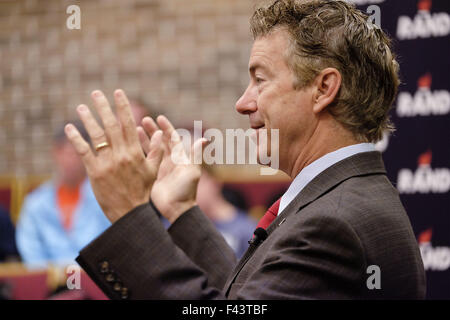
{"x": 247, "y": 102}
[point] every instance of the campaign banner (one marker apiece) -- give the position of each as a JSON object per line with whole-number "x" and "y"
{"x": 417, "y": 154}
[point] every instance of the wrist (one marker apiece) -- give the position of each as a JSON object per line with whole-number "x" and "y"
{"x": 177, "y": 209}
{"x": 114, "y": 214}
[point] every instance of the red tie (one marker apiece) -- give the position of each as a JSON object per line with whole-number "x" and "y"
{"x": 269, "y": 216}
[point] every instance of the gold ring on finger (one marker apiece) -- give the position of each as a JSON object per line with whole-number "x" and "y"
{"x": 101, "y": 146}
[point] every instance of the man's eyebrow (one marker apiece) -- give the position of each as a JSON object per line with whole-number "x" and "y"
{"x": 257, "y": 65}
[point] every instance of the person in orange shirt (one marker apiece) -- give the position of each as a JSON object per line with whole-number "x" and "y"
{"x": 62, "y": 215}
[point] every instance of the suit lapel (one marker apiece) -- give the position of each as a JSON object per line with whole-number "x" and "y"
{"x": 365, "y": 163}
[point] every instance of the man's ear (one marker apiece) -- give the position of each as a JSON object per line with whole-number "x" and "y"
{"x": 327, "y": 83}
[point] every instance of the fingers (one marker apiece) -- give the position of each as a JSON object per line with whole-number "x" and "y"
{"x": 81, "y": 146}
{"x": 172, "y": 141}
{"x": 156, "y": 149}
{"x": 143, "y": 139}
{"x": 149, "y": 126}
{"x": 94, "y": 130}
{"x": 170, "y": 134}
{"x": 112, "y": 127}
{"x": 196, "y": 150}
{"x": 126, "y": 117}
{"x": 177, "y": 151}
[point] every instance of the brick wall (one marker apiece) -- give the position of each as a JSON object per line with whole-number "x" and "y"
{"x": 187, "y": 58}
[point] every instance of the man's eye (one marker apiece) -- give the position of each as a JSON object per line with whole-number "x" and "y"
{"x": 259, "y": 80}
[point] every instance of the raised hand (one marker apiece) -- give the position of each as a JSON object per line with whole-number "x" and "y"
{"x": 175, "y": 189}
{"x": 120, "y": 174}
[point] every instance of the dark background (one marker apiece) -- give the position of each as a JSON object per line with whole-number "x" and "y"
{"x": 419, "y": 134}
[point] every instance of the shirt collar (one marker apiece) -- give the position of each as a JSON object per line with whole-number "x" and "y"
{"x": 313, "y": 169}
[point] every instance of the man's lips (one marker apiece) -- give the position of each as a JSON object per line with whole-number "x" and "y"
{"x": 256, "y": 127}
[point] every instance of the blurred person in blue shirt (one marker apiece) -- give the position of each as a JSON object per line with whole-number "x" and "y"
{"x": 61, "y": 216}
{"x": 234, "y": 224}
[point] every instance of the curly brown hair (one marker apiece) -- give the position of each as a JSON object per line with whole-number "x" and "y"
{"x": 335, "y": 34}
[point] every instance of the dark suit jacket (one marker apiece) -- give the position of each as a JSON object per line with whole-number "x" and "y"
{"x": 320, "y": 247}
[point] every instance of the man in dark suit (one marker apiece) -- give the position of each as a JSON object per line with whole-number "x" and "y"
{"x": 325, "y": 78}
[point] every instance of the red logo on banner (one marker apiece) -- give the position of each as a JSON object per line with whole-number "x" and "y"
{"x": 434, "y": 258}
{"x": 424, "y": 5}
{"x": 424, "y": 24}
{"x": 424, "y": 179}
{"x": 425, "y": 236}
{"x": 424, "y": 81}
{"x": 424, "y": 102}
{"x": 425, "y": 159}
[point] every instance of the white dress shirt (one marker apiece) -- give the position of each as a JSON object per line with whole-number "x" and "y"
{"x": 313, "y": 169}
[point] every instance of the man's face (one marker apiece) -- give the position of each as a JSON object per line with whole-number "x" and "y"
{"x": 271, "y": 102}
